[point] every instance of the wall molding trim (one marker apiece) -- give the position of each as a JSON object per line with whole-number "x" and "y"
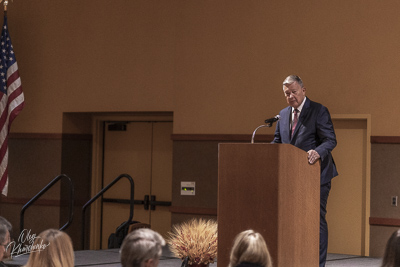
{"x": 193, "y": 210}
{"x": 385, "y": 139}
{"x": 188, "y": 137}
{"x": 40, "y": 202}
{"x": 50, "y": 136}
{"x": 384, "y": 221}
{"x": 221, "y": 137}
{"x": 263, "y": 138}
{"x": 23, "y": 201}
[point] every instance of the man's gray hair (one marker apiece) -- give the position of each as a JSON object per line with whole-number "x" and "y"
{"x": 5, "y": 226}
{"x": 291, "y": 79}
{"x": 139, "y": 246}
{"x": 3, "y": 233}
{"x": 6, "y": 223}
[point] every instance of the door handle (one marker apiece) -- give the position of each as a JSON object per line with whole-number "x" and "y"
{"x": 154, "y": 203}
{"x": 146, "y": 202}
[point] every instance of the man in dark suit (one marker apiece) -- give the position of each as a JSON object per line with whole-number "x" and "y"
{"x": 308, "y": 126}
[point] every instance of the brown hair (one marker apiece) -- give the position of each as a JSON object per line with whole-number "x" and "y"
{"x": 250, "y": 246}
{"x": 392, "y": 251}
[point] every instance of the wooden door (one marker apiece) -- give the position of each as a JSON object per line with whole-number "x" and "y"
{"x": 144, "y": 151}
{"x": 348, "y": 202}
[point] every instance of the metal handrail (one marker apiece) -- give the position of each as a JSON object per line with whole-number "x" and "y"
{"x": 102, "y": 191}
{"x": 44, "y": 190}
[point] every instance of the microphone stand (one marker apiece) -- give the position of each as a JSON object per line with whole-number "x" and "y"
{"x": 261, "y": 126}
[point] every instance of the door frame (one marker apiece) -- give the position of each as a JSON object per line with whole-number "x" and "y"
{"x": 366, "y": 183}
{"x": 97, "y": 161}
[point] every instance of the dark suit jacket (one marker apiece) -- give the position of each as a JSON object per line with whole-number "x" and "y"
{"x": 314, "y": 130}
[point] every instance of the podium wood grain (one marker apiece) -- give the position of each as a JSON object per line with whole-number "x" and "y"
{"x": 272, "y": 189}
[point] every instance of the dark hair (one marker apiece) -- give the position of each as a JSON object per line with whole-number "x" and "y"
{"x": 391, "y": 257}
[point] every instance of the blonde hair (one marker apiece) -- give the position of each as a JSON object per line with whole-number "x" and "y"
{"x": 58, "y": 253}
{"x": 250, "y": 246}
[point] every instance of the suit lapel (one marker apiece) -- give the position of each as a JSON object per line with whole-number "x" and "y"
{"x": 285, "y": 121}
{"x": 303, "y": 115}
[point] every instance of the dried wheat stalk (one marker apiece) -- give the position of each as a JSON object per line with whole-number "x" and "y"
{"x": 196, "y": 239}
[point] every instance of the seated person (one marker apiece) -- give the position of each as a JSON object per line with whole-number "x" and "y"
{"x": 391, "y": 257}
{"x": 141, "y": 248}
{"x": 4, "y": 241}
{"x": 7, "y": 224}
{"x": 56, "y": 250}
{"x": 250, "y": 250}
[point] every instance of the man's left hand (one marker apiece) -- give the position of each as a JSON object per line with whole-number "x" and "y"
{"x": 313, "y": 156}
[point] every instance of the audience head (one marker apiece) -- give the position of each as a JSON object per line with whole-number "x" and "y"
{"x": 141, "y": 248}
{"x": 6, "y": 223}
{"x": 391, "y": 257}
{"x": 4, "y": 240}
{"x": 250, "y": 247}
{"x": 58, "y": 252}
{"x": 5, "y": 232}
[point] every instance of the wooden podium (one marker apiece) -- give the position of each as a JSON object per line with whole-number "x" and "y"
{"x": 271, "y": 189}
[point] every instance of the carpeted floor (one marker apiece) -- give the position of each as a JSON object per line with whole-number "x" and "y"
{"x": 336, "y": 260}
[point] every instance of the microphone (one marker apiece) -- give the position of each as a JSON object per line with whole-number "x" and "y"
{"x": 268, "y": 124}
{"x": 272, "y": 120}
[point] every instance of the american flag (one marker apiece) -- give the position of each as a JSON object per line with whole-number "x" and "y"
{"x": 11, "y": 102}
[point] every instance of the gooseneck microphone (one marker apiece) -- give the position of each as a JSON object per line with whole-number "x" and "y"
{"x": 272, "y": 120}
{"x": 268, "y": 122}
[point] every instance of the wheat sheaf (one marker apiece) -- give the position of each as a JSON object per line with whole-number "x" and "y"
{"x": 196, "y": 239}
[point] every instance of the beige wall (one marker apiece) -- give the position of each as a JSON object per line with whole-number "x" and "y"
{"x": 385, "y": 184}
{"x": 217, "y": 65}
{"x": 33, "y": 164}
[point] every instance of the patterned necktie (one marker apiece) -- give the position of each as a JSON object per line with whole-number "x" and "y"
{"x": 295, "y": 119}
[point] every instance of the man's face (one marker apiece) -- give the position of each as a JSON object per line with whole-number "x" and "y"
{"x": 294, "y": 94}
